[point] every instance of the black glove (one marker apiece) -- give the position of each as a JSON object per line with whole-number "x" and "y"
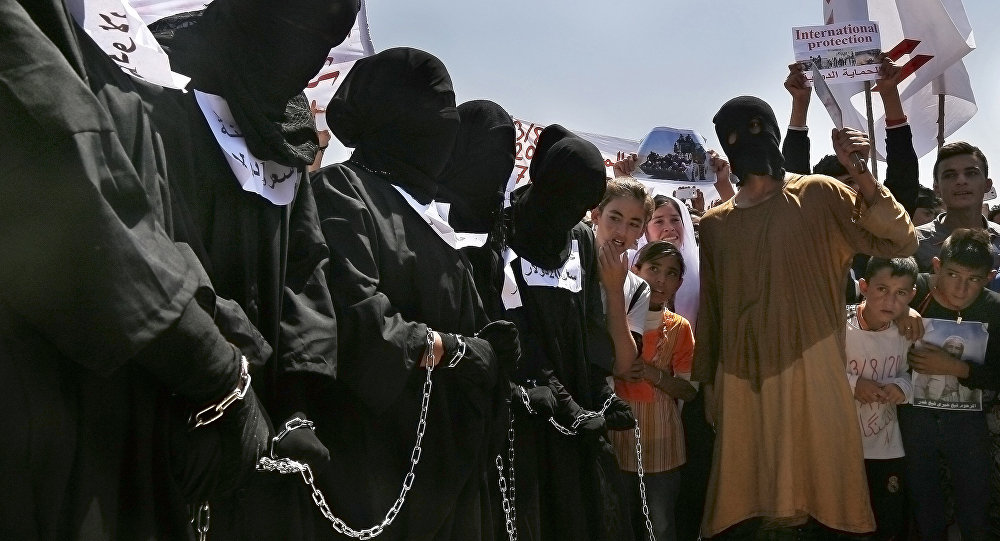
{"x": 502, "y": 336}
{"x": 619, "y": 415}
{"x": 592, "y": 428}
{"x": 302, "y": 445}
{"x": 541, "y": 400}
{"x": 477, "y": 364}
{"x": 212, "y": 460}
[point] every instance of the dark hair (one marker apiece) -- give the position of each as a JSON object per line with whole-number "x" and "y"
{"x": 830, "y": 166}
{"x": 958, "y": 148}
{"x": 927, "y": 199}
{"x": 969, "y": 248}
{"x": 628, "y": 187}
{"x": 656, "y": 250}
{"x": 898, "y": 266}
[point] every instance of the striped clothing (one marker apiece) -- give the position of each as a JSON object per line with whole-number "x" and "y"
{"x": 667, "y": 344}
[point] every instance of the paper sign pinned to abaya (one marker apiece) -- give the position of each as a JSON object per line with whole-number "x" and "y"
{"x": 121, "y": 33}
{"x": 509, "y": 295}
{"x": 270, "y": 180}
{"x": 674, "y": 155}
{"x": 566, "y": 277}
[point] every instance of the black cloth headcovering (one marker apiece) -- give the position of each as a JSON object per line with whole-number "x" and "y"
{"x": 567, "y": 179}
{"x": 480, "y": 166}
{"x": 752, "y": 153}
{"x": 397, "y": 110}
{"x": 259, "y": 55}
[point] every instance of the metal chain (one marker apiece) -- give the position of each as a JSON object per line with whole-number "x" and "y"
{"x": 509, "y": 505}
{"x": 642, "y": 484}
{"x": 587, "y": 414}
{"x": 201, "y": 521}
{"x": 287, "y": 465}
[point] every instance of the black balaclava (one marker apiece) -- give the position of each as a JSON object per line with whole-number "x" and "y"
{"x": 480, "y": 166}
{"x": 259, "y": 55}
{"x": 397, "y": 110}
{"x": 752, "y": 153}
{"x": 567, "y": 179}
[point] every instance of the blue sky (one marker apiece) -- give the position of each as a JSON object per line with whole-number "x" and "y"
{"x": 622, "y": 68}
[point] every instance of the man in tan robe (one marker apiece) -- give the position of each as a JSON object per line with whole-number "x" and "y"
{"x": 771, "y": 331}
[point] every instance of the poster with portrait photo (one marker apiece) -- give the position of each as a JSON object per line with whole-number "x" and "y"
{"x": 674, "y": 155}
{"x": 966, "y": 341}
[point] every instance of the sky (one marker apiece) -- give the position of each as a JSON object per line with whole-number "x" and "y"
{"x": 622, "y": 68}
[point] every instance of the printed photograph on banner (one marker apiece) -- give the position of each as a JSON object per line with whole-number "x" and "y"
{"x": 670, "y": 154}
{"x": 843, "y": 51}
{"x": 965, "y": 341}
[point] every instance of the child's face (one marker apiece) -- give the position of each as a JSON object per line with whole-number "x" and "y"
{"x": 959, "y": 286}
{"x": 887, "y": 297}
{"x": 620, "y": 222}
{"x": 666, "y": 225}
{"x": 663, "y": 276}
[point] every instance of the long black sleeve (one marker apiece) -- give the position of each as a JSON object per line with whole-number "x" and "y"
{"x": 902, "y": 170}
{"x": 795, "y": 149}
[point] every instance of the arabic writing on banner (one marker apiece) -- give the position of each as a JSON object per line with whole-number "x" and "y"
{"x": 121, "y": 33}
{"x": 843, "y": 52}
{"x": 271, "y": 180}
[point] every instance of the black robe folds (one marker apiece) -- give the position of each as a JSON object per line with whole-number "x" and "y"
{"x": 568, "y": 487}
{"x": 391, "y": 278}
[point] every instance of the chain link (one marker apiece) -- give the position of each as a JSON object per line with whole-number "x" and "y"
{"x": 201, "y": 521}
{"x": 587, "y": 414}
{"x": 287, "y": 466}
{"x": 642, "y": 484}
{"x": 509, "y": 505}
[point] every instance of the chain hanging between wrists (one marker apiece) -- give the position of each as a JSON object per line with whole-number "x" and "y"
{"x": 642, "y": 484}
{"x": 587, "y": 414}
{"x": 509, "y": 505}
{"x": 287, "y": 466}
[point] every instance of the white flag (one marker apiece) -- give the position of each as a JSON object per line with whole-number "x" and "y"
{"x": 927, "y": 37}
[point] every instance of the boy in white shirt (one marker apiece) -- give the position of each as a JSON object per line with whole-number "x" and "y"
{"x": 877, "y": 372}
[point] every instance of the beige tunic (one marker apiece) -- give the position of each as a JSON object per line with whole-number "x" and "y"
{"x": 772, "y": 321}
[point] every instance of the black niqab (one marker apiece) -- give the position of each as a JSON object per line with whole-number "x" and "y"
{"x": 259, "y": 55}
{"x": 397, "y": 110}
{"x": 480, "y": 166}
{"x": 567, "y": 178}
{"x": 756, "y": 150}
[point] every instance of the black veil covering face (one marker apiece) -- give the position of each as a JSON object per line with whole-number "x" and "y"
{"x": 480, "y": 166}
{"x": 397, "y": 110}
{"x": 259, "y": 55}
{"x": 755, "y": 148}
{"x": 567, "y": 178}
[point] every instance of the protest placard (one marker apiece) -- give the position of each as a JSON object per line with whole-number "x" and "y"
{"x": 670, "y": 154}
{"x": 843, "y": 52}
{"x": 966, "y": 341}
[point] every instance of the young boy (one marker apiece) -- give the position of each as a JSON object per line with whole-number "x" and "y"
{"x": 956, "y": 291}
{"x": 877, "y": 372}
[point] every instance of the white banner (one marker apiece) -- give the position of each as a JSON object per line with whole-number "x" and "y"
{"x": 843, "y": 52}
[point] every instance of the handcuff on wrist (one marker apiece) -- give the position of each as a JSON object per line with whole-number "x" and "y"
{"x": 294, "y": 423}
{"x": 214, "y": 412}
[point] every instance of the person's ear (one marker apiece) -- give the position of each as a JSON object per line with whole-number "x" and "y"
{"x": 936, "y": 264}
{"x": 911, "y": 294}
{"x": 863, "y": 286}
{"x": 993, "y": 274}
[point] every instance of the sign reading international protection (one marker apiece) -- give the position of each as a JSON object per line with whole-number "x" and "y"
{"x": 843, "y": 52}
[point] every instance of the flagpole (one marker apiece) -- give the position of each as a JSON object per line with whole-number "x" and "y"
{"x": 940, "y": 137}
{"x": 871, "y": 128}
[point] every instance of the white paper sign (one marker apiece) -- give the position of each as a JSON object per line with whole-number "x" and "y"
{"x": 120, "y": 32}
{"x": 272, "y": 181}
{"x": 566, "y": 277}
{"x": 844, "y": 52}
{"x": 509, "y": 295}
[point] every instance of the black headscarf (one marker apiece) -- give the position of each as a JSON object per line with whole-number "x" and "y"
{"x": 397, "y": 110}
{"x": 480, "y": 166}
{"x": 567, "y": 179}
{"x": 259, "y": 55}
{"x": 755, "y": 151}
